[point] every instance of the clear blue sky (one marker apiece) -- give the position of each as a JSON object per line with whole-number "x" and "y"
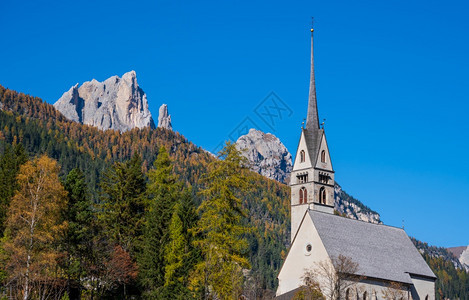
{"x": 391, "y": 76}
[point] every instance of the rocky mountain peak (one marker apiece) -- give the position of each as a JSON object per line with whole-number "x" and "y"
{"x": 164, "y": 118}
{"x": 116, "y": 103}
{"x": 269, "y": 157}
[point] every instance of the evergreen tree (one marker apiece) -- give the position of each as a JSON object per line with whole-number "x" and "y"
{"x": 122, "y": 196}
{"x": 78, "y": 238}
{"x": 163, "y": 191}
{"x": 10, "y": 161}
{"x": 175, "y": 253}
{"x": 220, "y": 226}
{"x": 188, "y": 214}
{"x": 180, "y": 255}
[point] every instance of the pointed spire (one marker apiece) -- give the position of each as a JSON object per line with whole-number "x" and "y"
{"x": 312, "y": 121}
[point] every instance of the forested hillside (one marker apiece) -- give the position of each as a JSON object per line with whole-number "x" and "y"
{"x": 453, "y": 280}
{"x": 40, "y": 129}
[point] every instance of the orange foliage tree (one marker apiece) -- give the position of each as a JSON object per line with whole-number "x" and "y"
{"x": 33, "y": 228}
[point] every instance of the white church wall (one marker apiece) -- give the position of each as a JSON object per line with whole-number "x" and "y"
{"x": 299, "y": 259}
{"x": 298, "y": 165}
{"x": 422, "y": 288}
{"x": 297, "y": 213}
{"x": 322, "y": 208}
{"x": 375, "y": 289}
{"x": 297, "y": 210}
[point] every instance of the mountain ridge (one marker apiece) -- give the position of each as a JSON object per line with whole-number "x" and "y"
{"x": 116, "y": 103}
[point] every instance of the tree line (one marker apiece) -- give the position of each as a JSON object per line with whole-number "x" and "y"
{"x": 145, "y": 238}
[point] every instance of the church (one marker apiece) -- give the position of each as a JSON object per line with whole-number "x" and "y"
{"x": 384, "y": 256}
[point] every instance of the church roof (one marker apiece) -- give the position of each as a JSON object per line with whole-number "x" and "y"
{"x": 381, "y": 251}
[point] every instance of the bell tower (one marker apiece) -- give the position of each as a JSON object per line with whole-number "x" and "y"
{"x": 312, "y": 177}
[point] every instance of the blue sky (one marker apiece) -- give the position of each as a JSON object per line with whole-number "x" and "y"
{"x": 391, "y": 83}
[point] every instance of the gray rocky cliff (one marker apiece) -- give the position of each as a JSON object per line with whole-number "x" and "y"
{"x": 164, "y": 118}
{"x": 266, "y": 153}
{"x": 462, "y": 254}
{"x": 352, "y": 208}
{"x": 464, "y": 258}
{"x": 116, "y": 103}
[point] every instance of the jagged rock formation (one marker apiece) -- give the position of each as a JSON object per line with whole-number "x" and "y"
{"x": 164, "y": 118}
{"x": 352, "y": 208}
{"x": 268, "y": 156}
{"x": 462, "y": 254}
{"x": 464, "y": 258}
{"x": 116, "y": 103}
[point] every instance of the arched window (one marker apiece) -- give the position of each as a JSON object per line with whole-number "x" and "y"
{"x": 426, "y": 297}
{"x": 323, "y": 156}
{"x": 322, "y": 195}
{"x": 365, "y": 296}
{"x": 303, "y": 195}
{"x": 302, "y": 156}
{"x": 347, "y": 294}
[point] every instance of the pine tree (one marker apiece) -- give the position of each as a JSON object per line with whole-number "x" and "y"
{"x": 180, "y": 255}
{"x": 189, "y": 217}
{"x": 163, "y": 191}
{"x": 122, "y": 196}
{"x": 220, "y": 226}
{"x": 78, "y": 238}
{"x": 175, "y": 250}
{"x": 11, "y": 160}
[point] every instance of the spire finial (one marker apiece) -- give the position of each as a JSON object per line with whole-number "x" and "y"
{"x": 323, "y": 123}
{"x": 312, "y": 120}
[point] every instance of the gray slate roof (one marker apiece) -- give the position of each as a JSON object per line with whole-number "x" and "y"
{"x": 313, "y": 141}
{"x": 381, "y": 251}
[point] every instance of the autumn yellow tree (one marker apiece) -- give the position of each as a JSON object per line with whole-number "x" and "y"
{"x": 34, "y": 226}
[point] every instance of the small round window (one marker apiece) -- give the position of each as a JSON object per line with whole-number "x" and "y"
{"x": 308, "y": 249}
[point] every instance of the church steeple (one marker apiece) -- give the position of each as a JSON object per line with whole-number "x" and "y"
{"x": 312, "y": 120}
{"x": 312, "y": 177}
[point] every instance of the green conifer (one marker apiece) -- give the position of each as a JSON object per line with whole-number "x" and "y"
{"x": 122, "y": 194}
{"x": 221, "y": 229}
{"x": 180, "y": 255}
{"x": 11, "y": 160}
{"x": 163, "y": 191}
{"x": 77, "y": 241}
